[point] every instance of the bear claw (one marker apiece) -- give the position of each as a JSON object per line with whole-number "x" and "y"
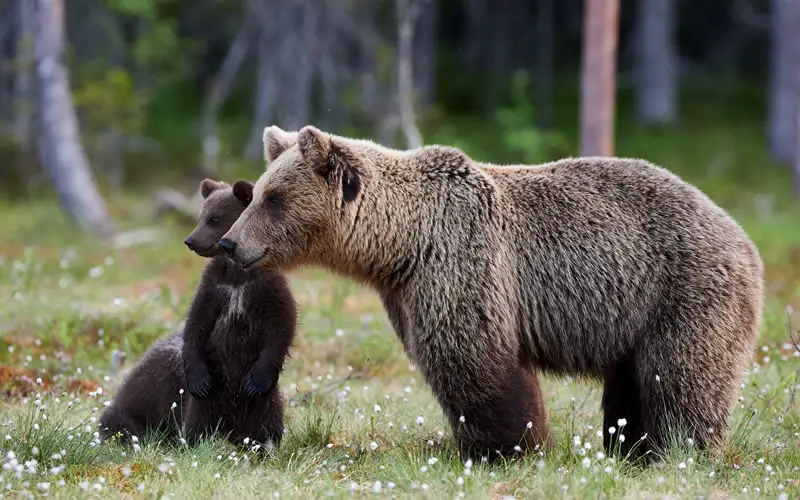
{"x": 257, "y": 383}
{"x": 199, "y": 382}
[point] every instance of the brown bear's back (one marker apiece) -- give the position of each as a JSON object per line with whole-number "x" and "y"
{"x": 602, "y": 246}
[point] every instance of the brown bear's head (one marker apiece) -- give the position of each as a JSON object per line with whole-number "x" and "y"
{"x": 303, "y": 203}
{"x": 222, "y": 205}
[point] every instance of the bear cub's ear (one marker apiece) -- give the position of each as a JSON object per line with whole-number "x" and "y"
{"x": 243, "y": 191}
{"x": 208, "y": 186}
{"x": 276, "y": 141}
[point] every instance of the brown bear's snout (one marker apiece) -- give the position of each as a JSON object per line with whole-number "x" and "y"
{"x": 227, "y": 245}
{"x": 189, "y": 242}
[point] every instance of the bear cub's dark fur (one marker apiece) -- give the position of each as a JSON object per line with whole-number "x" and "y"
{"x": 144, "y": 401}
{"x": 228, "y": 355}
{"x": 237, "y": 335}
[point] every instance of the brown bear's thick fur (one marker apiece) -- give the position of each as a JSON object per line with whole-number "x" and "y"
{"x": 237, "y": 334}
{"x": 144, "y": 400}
{"x": 610, "y": 268}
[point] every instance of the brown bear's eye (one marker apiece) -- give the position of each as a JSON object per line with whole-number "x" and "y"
{"x": 272, "y": 200}
{"x": 212, "y": 220}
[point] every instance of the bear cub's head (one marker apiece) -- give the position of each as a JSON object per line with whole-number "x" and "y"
{"x": 222, "y": 206}
{"x": 306, "y": 201}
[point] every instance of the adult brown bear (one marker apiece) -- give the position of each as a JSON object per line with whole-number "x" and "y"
{"x": 603, "y": 267}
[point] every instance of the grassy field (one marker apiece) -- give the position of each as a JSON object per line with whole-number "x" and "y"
{"x": 360, "y": 419}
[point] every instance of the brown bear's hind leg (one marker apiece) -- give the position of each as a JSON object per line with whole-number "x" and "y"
{"x": 622, "y": 411}
{"x": 687, "y": 395}
{"x": 500, "y": 423}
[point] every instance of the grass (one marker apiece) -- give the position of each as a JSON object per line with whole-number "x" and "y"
{"x": 360, "y": 418}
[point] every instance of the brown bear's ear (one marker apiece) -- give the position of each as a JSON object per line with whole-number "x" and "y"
{"x": 243, "y": 191}
{"x": 315, "y": 147}
{"x": 276, "y": 141}
{"x": 208, "y": 186}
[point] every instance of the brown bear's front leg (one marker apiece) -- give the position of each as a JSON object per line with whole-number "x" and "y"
{"x": 513, "y": 420}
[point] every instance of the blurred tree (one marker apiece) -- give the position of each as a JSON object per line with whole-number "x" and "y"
{"x": 183, "y": 82}
{"x": 657, "y": 69}
{"x": 545, "y": 31}
{"x": 796, "y": 162}
{"x": 598, "y": 77}
{"x": 23, "y": 74}
{"x": 217, "y": 92}
{"x": 59, "y": 147}
{"x": 425, "y": 48}
{"x": 782, "y": 120}
{"x": 794, "y": 15}
{"x": 407, "y": 15}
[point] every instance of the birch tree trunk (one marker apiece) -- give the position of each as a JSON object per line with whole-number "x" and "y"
{"x": 598, "y": 77}
{"x": 59, "y": 148}
{"x": 656, "y": 62}
{"x": 407, "y": 12}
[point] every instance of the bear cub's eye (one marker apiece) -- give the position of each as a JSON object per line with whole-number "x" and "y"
{"x": 212, "y": 220}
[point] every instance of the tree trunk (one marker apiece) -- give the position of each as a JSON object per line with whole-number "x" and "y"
{"x": 656, "y": 63}
{"x": 794, "y": 17}
{"x": 264, "y": 98}
{"x": 598, "y": 77}
{"x": 796, "y": 162}
{"x": 7, "y": 23}
{"x": 407, "y": 13}
{"x": 297, "y": 93}
{"x": 783, "y": 87}
{"x": 23, "y": 81}
{"x": 59, "y": 148}
{"x": 545, "y": 31}
{"x": 425, "y": 45}
{"x": 216, "y": 95}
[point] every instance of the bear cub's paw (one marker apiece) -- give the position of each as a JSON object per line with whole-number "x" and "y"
{"x": 259, "y": 381}
{"x": 198, "y": 379}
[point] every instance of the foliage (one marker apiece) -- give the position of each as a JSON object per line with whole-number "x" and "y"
{"x": 111, "y": 100}
{"x": 115, "y": 93}
{"x": 517, "y": 129}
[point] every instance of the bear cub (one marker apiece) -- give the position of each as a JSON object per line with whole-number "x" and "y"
{"x": 237, "y": 335}
{"x": 143, "y": 402}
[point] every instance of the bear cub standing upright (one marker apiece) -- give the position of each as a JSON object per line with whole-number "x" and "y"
{"x": 237, "y": 334}
{"x": 248, "y": 346}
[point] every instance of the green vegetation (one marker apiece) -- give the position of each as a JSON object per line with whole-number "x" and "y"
{"x": 353, "y": 402}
